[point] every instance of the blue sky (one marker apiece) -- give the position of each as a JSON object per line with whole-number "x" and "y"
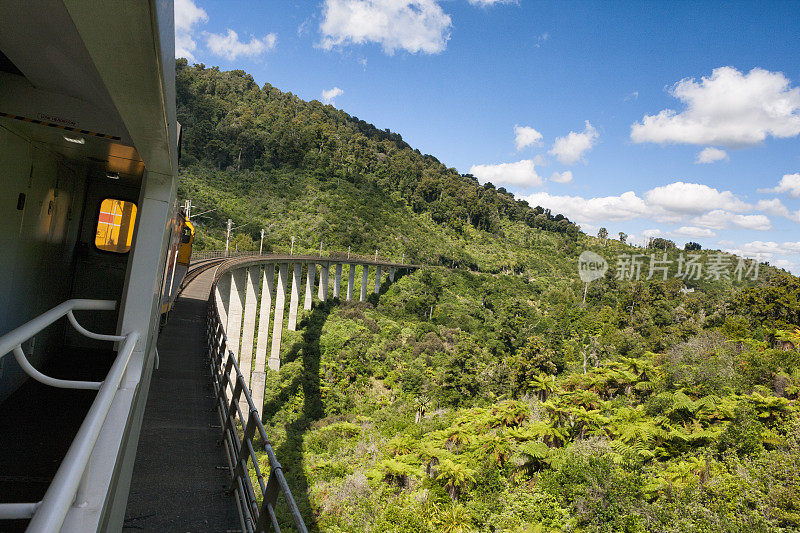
{"x": 667, "y": 119}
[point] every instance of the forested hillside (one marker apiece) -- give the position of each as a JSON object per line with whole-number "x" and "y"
{"x": 481, "y": 393}
{"x": 267, "y": 159}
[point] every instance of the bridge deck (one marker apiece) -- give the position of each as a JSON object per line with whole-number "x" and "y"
{"x": 176, "y": 483}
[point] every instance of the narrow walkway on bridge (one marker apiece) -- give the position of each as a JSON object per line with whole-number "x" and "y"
{"x": 176, "y": 483}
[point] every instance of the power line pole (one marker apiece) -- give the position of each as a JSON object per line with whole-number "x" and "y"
{"x": 320, "y": 249}
{"x": 261, "y": 248}
{"x": 291, "y": 250}
{"x": 228, "y": 236}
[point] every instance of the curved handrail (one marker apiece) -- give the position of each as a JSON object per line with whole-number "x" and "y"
{"x": 29, "y": 369}
{"x": 21, "y": 334}
{"x": 12, "y": 341}
{"x": 241, "y": 451}
{"x": 86, "y": 333}
{"x": 332, "y": 257}
{"x": 252, "y": 260}
{"x": 48, "y": 514}
{"x": 64, "y": 487}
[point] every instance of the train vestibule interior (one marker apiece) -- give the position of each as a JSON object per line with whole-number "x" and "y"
{"x": 70, "y": 181}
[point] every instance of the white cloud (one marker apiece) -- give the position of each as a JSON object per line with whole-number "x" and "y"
{"x": 697, "y": 208}
{"x": 650, "y": 233}
{"x": 692, "y": 198}
{"x": 187, "y": 16}
{"x": 693, "y": 231}
{"x": 623, "y": 207}
{"x": 411, "y": 25}
{"x": 486, "y": 3}
{"x": 303, "y": 28}
{"x": 570, "y": 149}
{"x": 540, "y": 160}
{"x": 230, "y": 47}
{"x": 785, "y": 264}
{"x": 711, "y": 155}
{"x": 752, "y": 222}
{"x": 728, "y": 108}
{"x": 526, "y": 136}
{"x": 720, "y": 219}
{"x": 790, "y": 183}
{"x": 632, "y": 96}
{"x": 562, "y": 177}
{"x": 541, "y": 39}
{"x": 329, "y": 95}
{"x": 768, "y": 248}
{"x": 767, "y": 251}
{"x": 773, "y": 207}
{"x": 776, "y": 207}
{"x": 522, "y": 173}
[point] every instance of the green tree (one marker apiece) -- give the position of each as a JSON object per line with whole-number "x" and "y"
{"x": 455, "y": 476}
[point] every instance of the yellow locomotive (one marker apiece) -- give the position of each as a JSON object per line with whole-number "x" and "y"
{"x": 179, "y": 254}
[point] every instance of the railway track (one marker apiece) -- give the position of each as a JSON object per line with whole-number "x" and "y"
{"x": 195, "y": 269}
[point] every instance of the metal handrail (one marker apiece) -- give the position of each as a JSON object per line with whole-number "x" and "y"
{"x": 29, "y": 329}
{"x": 48, "y": 514}
{"x": 240, "y": 452}
{"x": 338, "y": 255}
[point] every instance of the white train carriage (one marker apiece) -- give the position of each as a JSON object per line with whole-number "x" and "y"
{"x": 88, "y": 163}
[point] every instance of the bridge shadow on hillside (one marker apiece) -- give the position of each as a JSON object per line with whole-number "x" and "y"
{"x": 374, "y": 298}
{"x": 290, "y": 452}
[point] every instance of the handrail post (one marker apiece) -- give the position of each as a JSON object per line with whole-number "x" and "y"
{"x": 239, "y": 451}
{"x": 266, "y": 517}
{"x": 244, "y": 455}
{"x": 234, "y": 403}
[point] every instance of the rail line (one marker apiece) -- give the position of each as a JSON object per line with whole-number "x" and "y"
{"x": 195, "y": 269}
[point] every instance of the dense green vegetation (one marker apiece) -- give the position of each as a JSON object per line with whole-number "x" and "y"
{"x": 510, "y": 406}
{"x": 267, "y": 159}
{"x": 480, "y": 392}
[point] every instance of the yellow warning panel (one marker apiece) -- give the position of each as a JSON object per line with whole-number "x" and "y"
{"x": 115, "y": 224}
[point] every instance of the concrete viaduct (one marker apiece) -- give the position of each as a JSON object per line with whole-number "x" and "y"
{"x": 250, "y": 296}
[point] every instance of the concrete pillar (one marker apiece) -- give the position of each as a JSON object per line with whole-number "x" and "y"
{"x": 324, "y": 273}
{"x": 277, "y": 330}
{"x": 259, "y": 377}
{"x": 249, "y": 321}
{"x": 310, "y": 273}
{"x": 351, "y": 280}
{"x": 297, "y": 276}
{"x": 222, "y": 295}
{"x": 267, "y": 292}
{"x": 378, "y": 275}
{"x": 337, "y": 280}
{"x": 234, "y": 328}
{"x": 364, "y": 275}
{"x": 258, "y": 384}
{"x": 391, "y": 274}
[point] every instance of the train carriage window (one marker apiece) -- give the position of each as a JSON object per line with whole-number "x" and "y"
{"x": 115, "y": 224}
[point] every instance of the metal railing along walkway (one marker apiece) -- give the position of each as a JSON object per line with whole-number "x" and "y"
{"x": 238, "y": 431}
{"x": 69, "y": 485}
{"x": 353, "y": 257}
